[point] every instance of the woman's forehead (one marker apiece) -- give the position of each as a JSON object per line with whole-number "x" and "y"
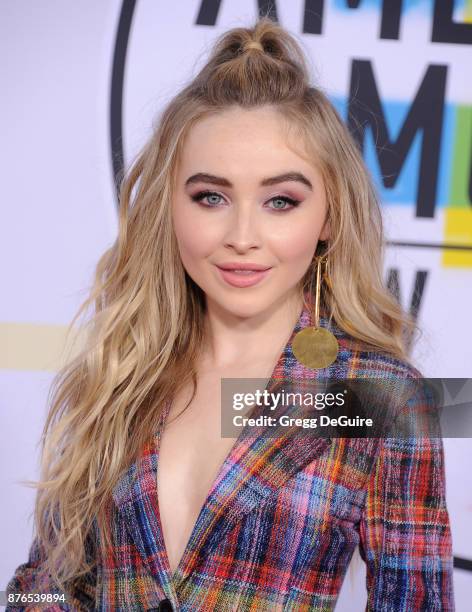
{"x": 260, "y": 137}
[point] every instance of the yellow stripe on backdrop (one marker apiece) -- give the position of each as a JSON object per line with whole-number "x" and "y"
{"x": 468, "y": 12}
{"x": 457, "y": 230}
{"x": 30, "y": 346}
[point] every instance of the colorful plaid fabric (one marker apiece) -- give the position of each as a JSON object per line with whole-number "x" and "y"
{"x": 282, "y": 519}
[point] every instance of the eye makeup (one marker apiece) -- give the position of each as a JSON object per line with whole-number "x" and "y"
{"x": 201, "y": 195}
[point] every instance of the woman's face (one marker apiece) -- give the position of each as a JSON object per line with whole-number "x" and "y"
{"x": 243, "y": 196}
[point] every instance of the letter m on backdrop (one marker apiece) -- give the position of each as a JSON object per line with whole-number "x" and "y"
{"x": 425, "y": 115}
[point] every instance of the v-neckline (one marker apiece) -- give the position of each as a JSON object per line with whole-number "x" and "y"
{"x": 157, "y": 445}
{"x": 228, "y": 458}
{"x": 243, "y": 438}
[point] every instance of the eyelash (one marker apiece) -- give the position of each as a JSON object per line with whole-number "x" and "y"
{"x": 202, "y": 194}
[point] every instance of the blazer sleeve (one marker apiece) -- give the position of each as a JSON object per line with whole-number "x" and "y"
{"x": 405, "y": 537}
{"x": 29, "y": 578}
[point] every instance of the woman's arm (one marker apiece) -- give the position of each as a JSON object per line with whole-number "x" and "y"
{"x": 28, "y": 578}
{"x": 405, "y": 537}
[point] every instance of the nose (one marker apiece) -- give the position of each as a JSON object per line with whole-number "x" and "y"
{"x": 242, "y": 231}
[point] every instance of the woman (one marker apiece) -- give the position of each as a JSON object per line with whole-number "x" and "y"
{"x": 250, "y": 167}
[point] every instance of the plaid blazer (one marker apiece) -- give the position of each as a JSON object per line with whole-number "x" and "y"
{"x": 281, "y": 521}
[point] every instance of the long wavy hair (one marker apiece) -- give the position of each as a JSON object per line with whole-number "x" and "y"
{"x": 144, "y": 330}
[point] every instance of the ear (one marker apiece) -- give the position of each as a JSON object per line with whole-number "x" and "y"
{"x": 325, "y": 231}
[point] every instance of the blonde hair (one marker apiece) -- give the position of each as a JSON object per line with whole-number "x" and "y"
{"x": 145, "y": 330}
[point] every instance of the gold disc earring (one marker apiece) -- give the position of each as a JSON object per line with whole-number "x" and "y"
{"x": 316, "y": 347}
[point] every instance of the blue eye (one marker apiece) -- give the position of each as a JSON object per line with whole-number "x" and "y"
{"x": 206, "y": 194}
{"x": 211, "y": 203}
{"x": 285, "y": 200}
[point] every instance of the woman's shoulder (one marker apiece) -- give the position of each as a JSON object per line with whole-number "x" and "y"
{"x": 358, "y": 359}
{"x": 387, "y": 383}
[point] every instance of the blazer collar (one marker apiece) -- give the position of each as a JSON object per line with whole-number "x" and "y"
{"x": 254, "y": 469}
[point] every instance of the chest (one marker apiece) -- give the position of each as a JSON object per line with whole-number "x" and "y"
{"x": 191, "y": 452}
{"x": 191, "y": 449}
{"x": 296, "y": 507}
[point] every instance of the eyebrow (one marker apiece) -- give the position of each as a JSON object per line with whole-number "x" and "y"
{"x": 203, "y": 177}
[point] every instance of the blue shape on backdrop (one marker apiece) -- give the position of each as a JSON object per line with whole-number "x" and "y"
{"x": 404, "y": 191}
{"x": 420, "y": 5}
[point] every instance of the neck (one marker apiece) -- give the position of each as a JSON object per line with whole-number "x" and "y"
{"x": 234, "y": 340}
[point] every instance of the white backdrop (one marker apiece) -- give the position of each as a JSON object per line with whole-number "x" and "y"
{"x": 59, "y": 207}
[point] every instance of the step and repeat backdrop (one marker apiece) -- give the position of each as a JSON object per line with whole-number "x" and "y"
{"x": 83, "y": 84}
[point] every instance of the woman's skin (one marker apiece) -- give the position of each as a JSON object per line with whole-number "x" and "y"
{"x": 248, "y": 327}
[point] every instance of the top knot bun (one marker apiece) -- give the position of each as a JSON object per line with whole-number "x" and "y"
{"x": 253, "y": 44}
{"x": 234, "y": 73}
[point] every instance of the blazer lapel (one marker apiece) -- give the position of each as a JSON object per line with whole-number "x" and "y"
{"x": 135, "y": 496}
{"x": 255, "y": 468}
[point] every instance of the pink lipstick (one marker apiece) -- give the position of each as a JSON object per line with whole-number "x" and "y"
{"x": 243, "y": 274}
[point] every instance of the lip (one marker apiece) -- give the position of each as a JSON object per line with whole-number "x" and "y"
{"x": 239, "y": 265}
{"x": 248, "y": 279}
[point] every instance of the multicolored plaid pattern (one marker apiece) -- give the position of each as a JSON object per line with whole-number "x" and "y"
{"x": 282, "y": 520}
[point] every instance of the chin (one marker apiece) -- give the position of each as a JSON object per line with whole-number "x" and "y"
{"x": 244, "y": 302}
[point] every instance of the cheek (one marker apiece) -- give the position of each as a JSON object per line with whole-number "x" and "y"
{"x": 296, "y": 242}
{"x": 196, "y": 235}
